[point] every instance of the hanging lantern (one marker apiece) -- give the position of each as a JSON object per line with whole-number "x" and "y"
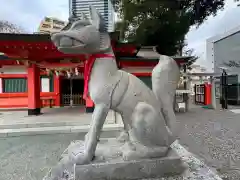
{"x": 57, "y": 74}
{"x": 68, "y": 74}
{"x": 48, "y": 71}
{"x": 60, "y": 73}
{"x": 26, "y": 63}
{"x": 76, "y": 71}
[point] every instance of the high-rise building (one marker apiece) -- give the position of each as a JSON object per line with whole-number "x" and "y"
{"x": 104, "y": 7}
{"x": 50, "y": 25}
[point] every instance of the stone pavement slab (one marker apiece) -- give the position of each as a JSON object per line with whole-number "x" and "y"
{"x": 51, "y": 117}
{"x": 55, "y": 130}
{"x": 52, "y": 121}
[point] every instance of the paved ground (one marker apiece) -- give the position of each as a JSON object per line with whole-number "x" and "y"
{"x": 212, "y": 135}
{"x": 64, "y": 116}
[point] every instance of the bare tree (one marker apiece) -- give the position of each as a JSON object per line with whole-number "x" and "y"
{"x": 7, "y": 27}
{"x": 238, "y": 2}
{"x": 192, "y": 60}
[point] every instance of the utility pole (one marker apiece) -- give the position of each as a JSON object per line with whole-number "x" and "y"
{"x": 224, "y": 95}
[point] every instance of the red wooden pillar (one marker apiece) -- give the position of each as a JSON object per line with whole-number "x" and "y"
{"x": 57, "y": 81}
{"x": 89, "y": 105}
{"x": 1, "y": 85}
{"x": 207, "y": 94}
{"x": 34, "y": 102}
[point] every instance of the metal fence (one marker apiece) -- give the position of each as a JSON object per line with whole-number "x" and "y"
{"x": 72, "y": 100}
{"x": 199, "y": 93}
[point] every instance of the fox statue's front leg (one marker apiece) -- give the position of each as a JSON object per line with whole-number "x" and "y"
{"x": 124, "y": 135}
{"x": 92, "y": 137}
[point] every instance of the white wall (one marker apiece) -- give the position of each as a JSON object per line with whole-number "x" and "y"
{"x": 13, "y": 70}
{"x": 45, "y": 85}
{"x": 45, "y": 82}
{"x": 210, "y": 53}
{"x": 1, "y": 88}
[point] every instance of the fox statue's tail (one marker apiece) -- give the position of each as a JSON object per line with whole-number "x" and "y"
{"x": 165, "y": 77}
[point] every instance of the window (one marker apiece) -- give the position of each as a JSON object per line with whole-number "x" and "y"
{"x": 57, "y": 27}
{"x": 46, "y": 25}
{"x": 44, "y": 32}
{"x": 58, "y": 22}
{"x": 14, "y": 85}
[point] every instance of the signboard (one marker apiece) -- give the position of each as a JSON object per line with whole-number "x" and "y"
{"x": 232, "y": 63}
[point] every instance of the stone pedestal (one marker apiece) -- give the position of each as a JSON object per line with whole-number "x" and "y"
{"x": 110, "y": 163}
{"x": 131, "y": 170}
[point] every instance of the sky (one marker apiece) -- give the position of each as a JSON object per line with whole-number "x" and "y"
{"x": 29, "y": 13}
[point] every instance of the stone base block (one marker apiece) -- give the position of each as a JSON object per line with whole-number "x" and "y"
{"x": 89, "y": 109}
{"x": 108, "y": 165}
{"x": 34, "y": 112}
{"x": 130, "y": 170}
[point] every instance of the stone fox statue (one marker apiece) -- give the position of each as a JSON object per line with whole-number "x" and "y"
{"x": 147, "y": 115}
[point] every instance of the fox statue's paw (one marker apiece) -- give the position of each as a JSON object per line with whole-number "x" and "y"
{"x": 123, "y": 137}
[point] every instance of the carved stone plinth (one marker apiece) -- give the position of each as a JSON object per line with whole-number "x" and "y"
{"x": 108, "y": 165}
{"x": 131, "y": 170}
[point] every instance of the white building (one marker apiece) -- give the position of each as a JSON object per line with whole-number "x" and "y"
{"x": 105, "y": 8}
{"x": 223, "y": 51}
{"x": 50, "y": 25}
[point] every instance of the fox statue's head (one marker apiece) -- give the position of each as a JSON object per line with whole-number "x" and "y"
{"x": 82, "y": 35}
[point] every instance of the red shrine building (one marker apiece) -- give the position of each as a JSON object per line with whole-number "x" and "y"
{"x": 34, "y": 74}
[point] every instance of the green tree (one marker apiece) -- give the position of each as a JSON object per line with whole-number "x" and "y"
{"x": 163, "y": 23}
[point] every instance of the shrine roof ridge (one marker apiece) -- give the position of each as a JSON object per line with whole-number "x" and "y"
{"x": 143, "y": 58}
{"x": 24, "y": 37}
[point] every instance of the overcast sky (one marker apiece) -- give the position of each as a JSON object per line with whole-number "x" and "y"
{"x": 29, "y": 13}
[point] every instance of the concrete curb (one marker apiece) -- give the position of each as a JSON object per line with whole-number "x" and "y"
{"x": 55, "y": 130}
{"x": 42, "y": 124}
{"x": 48, "y": 124}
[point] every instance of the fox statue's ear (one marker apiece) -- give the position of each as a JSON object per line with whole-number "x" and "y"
{"x": 97, "y": 20}
{"x": 83, "y": 16}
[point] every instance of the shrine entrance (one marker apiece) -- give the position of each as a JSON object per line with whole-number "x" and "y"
{"x": 72, "y": 91}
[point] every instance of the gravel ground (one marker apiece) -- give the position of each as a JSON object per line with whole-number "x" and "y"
{"x": 214, "y": 136}
{"x": 29, "y": 157}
